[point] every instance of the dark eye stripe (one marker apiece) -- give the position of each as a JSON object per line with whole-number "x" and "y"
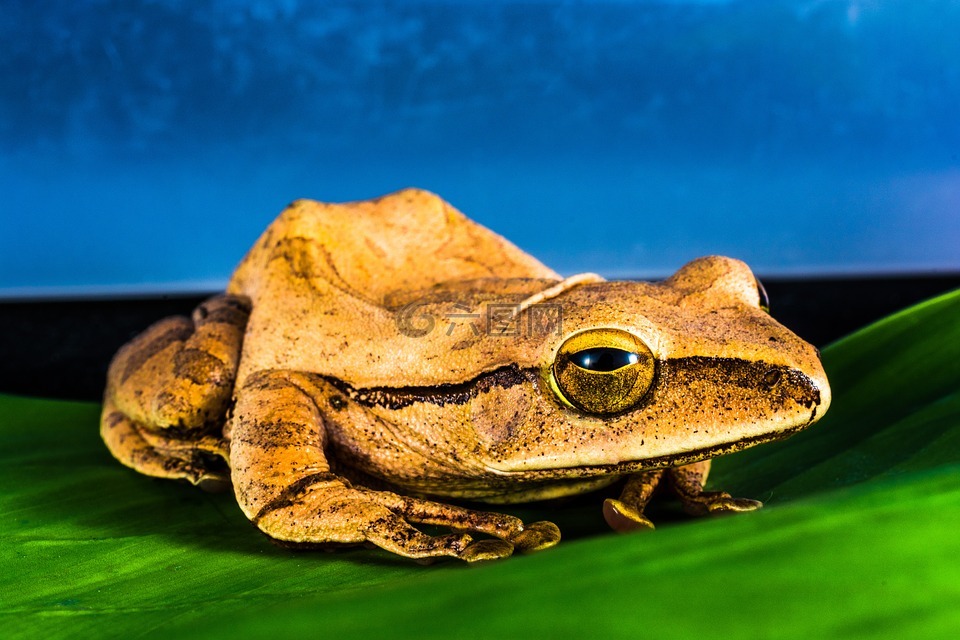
{"x": 603, "y": 359}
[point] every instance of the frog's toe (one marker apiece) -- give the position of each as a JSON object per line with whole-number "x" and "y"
{"x": 214, "y": 482}
{"x": 733, "y": 505}
{"x": 717, "y": 503}
{"x": 623, "y": 518}
{"x": 486, "y": 550}
{"x": 536, "y": 536}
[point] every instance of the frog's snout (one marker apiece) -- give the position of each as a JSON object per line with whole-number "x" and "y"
{"x": 808, "y": 389}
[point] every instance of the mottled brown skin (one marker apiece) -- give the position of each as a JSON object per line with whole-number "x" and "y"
{"x": 318, "y": 388}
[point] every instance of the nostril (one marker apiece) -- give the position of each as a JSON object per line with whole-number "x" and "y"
{"x": 771, "y": 378}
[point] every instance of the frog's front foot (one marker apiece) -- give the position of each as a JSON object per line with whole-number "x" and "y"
{"x": 626, "y": 513}
{"x": 482, "y": 550}
{"x": 623, "y": 517}
{"x": 532, "y": 537}
{"x": 536, "y": 536}
{"x": 717, "y": 503}
{"x": 687, "y": 482}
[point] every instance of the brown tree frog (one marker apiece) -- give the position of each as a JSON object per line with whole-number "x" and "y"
{"x": 371, "y": 360}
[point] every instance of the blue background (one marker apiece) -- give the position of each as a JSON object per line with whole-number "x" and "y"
{"x": 145, "y": 145}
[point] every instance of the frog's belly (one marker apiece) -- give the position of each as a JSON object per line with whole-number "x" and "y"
{"x": 556, "y": 489}
{"x": 514, "y": 492}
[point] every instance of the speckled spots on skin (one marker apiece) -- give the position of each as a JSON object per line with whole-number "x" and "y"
{"x": 113, "y": 419}
{"x": 290, "y": 495}
{"x": 265, "y": 434}
{"x": 199, "y": 367}
{"x": 777, "y": 384}
{"x": 157, "y": 339}
{"x": 230, "y": 311}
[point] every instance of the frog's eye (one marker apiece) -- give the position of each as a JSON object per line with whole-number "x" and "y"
{"x": 764, "y": 298}
{"x": 603, "y": 371}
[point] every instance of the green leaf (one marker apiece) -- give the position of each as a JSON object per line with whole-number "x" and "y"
{"x": 859, "y": 536}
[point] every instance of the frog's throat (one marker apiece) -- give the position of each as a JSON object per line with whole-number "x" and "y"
{"x": 660, "y": 462}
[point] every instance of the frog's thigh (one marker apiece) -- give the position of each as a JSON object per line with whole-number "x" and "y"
{"x": 284, "y": 485}
{"x": 180, "y": 371}
{"x": 626, "y": 513}
{"x": 687, "y": 482}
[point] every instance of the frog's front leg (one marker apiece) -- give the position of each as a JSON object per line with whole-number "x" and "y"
{"x": 626, "y": 513}
{"x": 687, "y": 482}
{"x": 285, "y": 486}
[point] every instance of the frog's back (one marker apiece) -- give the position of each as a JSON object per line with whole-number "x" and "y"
{"x": 326, "y": 282}
{"x": 405, "y": 241}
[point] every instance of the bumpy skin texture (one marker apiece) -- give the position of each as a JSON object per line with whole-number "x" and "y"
{"x": 369, "y": 356}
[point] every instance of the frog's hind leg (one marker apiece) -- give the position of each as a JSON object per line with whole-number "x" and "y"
{"x": 687, "y": 482}
{"x": 180, "y": 371}
{"x": 160, "y": 457}
{"x": 168, "y": 391}
{"x": 285, "y": 486}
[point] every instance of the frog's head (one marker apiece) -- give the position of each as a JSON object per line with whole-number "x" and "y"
{"x": 623, "y": 376}
{"x": 649, "y": 375}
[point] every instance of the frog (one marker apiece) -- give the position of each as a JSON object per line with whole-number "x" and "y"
{"x": 373, "y": 366}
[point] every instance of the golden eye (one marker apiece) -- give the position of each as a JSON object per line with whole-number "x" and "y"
{"x": 603, "y": 371}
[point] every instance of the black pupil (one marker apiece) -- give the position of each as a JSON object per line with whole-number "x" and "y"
{"x": 603, "y": 359}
